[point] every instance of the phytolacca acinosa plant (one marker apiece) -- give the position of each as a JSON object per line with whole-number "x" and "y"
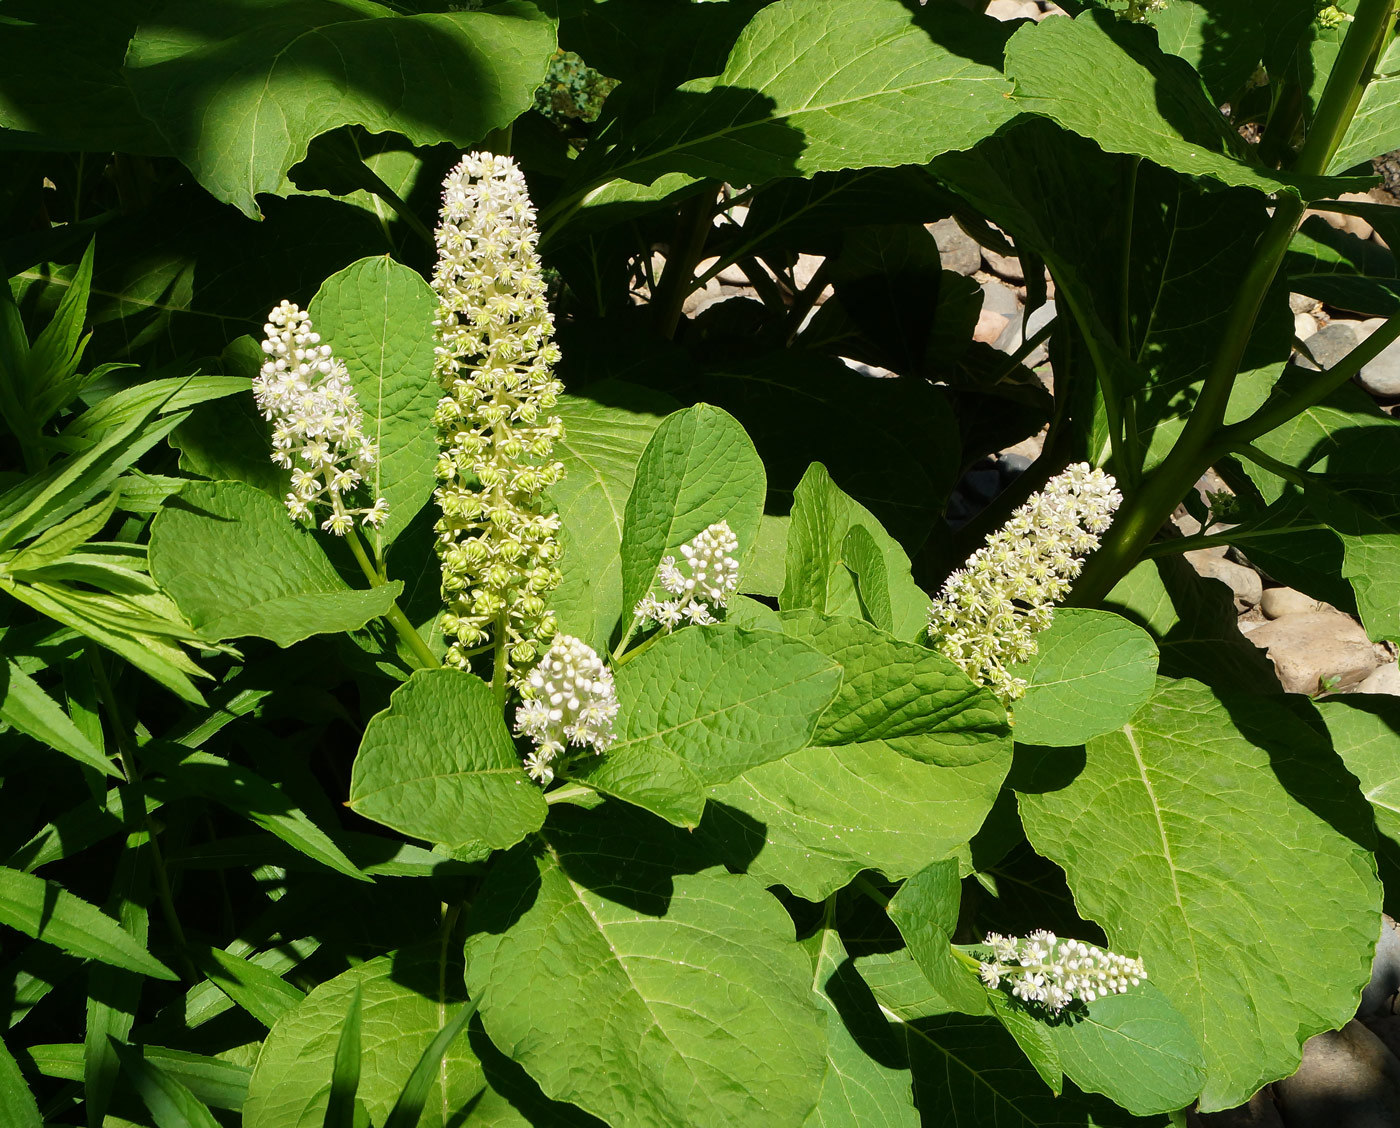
{"x": 988, "y": 612}
{"x": 495, "y": 358}
{"x": 317, "y": 425}
{"x": 1043, "y": 968}
{"x": 711, "y": 559}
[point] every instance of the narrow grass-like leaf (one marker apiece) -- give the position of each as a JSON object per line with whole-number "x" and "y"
{"x": 345, "y": 1074}
{"x": 46, "y": 911}
{"x": 25, "y": 706}
{"x": 171, "y": 1104}
{"x": 17, "y": 1107}
{"x": 262, "y": 993}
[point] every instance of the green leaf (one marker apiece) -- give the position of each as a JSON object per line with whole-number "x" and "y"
{"x": 698, "y": 468}
{"x": 219, "y": 1084}
{"x": 238, "y": 94}
{"x": 246, "y": 793}
{"x": 705, "y": 704}
{"x": 16, "y": 1102}
{"x": 860, "y": 1086}
{"x": 1241, "y": 833}
{"x": 409, "y": 1107}
{"x": 377, "y": 316}
{"x": 862, "y": 556}
{"x": 1364, "y": 729}
{"x": 902, "y": 769}
{"x": 438, "y": 764}
{"x": 403, "y": 1007}
{"x": 345, "y": 1072}
{"x": 26, "y": 707}
{"x": 925, "y": 910}
{"x": 1128, "y": 97}
{"x": 171, "y": 1104}
{"x": 817, "y": 572}
{"x": 604, "y": 437}
{"x": 1092, "y": 671}
{"x": 262, "y": 993}
{"x": 46, "y": 911}
{"x": 1032, "y": 1034}
{"x": 1135, "y": 1048}
{"x": 695, "y": 993}
{"x": 273, "y": 579}
{"x": 1369, "y": 563}
{"x": 1259, "y": 29}
{"x": 819, "y": 85}
{"x": 1375, "y": 127}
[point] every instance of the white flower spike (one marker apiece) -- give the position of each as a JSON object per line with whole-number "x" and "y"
{"x": 1043, "y": 968}
{"x": 988, "y": 613}
{"x": 568, "y": 699}
{"x": 317, "y": 425}
{"x": 495, "y": 356}
{"x": 712, "y": 560}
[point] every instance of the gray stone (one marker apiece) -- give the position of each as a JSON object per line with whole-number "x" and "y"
{"x": 1379, "y": 996}
{"x": 1012, "y": 466}
{"x": 1012, "y": 339}
{"x": 1000, "y": 298}
{"x": 1301, "y": 303}
{"x": 1260, "y": 1111}
{"x": 1384, "y": 679}
{"x": 982, "y": 485}
{"x": 1306, "y": 649}
{"x": 1304, "y": 326}
{"x": 1243, "y": 582}
{"x": 957, "y": 249}
{"x": 1002, "y": 266}
{"x": 1281, "y": 601}
{"x": 1329, "y": 344}
{"x": 1381, "y": 376}
{"x": 1348, "y": 1079}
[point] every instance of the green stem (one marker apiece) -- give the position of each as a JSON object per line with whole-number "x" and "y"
{"x": 1164, "y": 488}
{"x": 1267, "y": 462}
{"x": 1280, "y": 409}
{"x": 1178, "y": 545}
{"x": 621, "y": 659}
{"x": 627, "y": 637}
{"x": 500, "y": 641}
{"x": 863, "y": 884}
{"x": 395, "y": 617}
{"x": 127, "y": 755}
{"x": 568, "y": 793}
{"x": 687, "y": 245}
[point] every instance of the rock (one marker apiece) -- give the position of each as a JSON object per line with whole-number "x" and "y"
{"x": 1384, "y": 679}
{"x": 1304, "y": 326}
{"x": 957, "y": 249}
{"x": 804, "y": 268}
{"x": 1000, "y": 298}
{"x": 1381, "y": 376}
{"x": 1012, "y": 339}
{"x": 1378, "y": 997}
{"x": 1012, "y": 9}
{"x": 1348, "y": 1079}
{"x": 1329, "y": 344}
{"x": 1280, "y": 601}
{"x": 1004, "y": 267}
{"x": 1386, "y": 1027}
{"x": 1354, "y": 223}
{"x": 982, "y": 485}
{"x": 990, "y": 326}
{"x": 1260, "y": 1111}
{"x": 1305, "y": 649}
{"x": 1244, "y": 582}
{"x": 1301, "y": 303}
{"x": 1012, "y": 466}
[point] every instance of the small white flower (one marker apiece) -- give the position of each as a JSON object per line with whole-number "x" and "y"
{"x": 712, "y": 560}
{"x": 307, "y": 395}
{"x": 1045, "y": 969}
{"x": 568, "y": 699}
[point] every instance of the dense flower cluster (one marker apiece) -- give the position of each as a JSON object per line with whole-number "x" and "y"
{"x": 567, "y": 699}
{"x": 712, "y": 559}
{"x": 495, "y": 355}
{"x": 317, "y": 426}
{"x": 1043, "y": 968}
{"x": 988, "y": 612}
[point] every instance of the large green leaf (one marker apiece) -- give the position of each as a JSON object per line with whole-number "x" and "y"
{"x": 272, "y": 580}
{"x": 1092, "y": 671}
{"x": 860, "y": 1086}
{"x": 819, "y": 85}
{"x": 438, "y": 764}
{"x": 377, "y": 316}
{"x": 1375, "y": 128}
{"x": 698, "y": 468}
{"x": 1365, "y": 731}
{"x": 46, "y": 911}
{"x": 1267, "y": 30}
{"x": 238, "y": 92}
{"x": 693, "y": 992}
{"x": 826, "y": 571}
{"x": 902, "y": 769}
{"x": 1129, "y": 97}
{"x": 702, "y": 706}
{"x": 604, "y": 436}
{"x": 925, "y": 910}
{"x": 1221, "y": 840}
{"x": 404, "y": 1002}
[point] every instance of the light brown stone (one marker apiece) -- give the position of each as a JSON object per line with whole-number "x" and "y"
{"x": 1280, "y": 601}
{"x": 1306, "y": 649}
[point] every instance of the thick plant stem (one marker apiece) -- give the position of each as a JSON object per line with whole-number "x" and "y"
{"x": 395, "y": 617}
{"x": 499, "y": 679}
{"x": 692, "y": 227}
{"x": 1165, "y": 486}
